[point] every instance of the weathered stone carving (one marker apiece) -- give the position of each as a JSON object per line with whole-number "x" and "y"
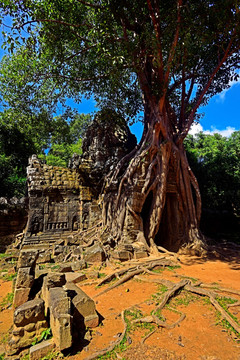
{"x": 63, "y": 201}
{"x": 29, "y": 322}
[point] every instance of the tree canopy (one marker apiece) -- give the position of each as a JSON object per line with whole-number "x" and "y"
{"x": 179, "y": 52}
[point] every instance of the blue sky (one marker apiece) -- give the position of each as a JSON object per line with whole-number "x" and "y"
{"x": 221, "y": 115}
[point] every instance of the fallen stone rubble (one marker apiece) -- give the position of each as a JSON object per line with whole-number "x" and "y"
{"x": 46, "y": 299}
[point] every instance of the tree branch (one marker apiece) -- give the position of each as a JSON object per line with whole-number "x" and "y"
{"x": 51, "y": 21}
{"x": 95, "y": 6}
{"x": 173, "y": 47}
{"x": 199, "y": 101}
{"x": 157, "y": 30}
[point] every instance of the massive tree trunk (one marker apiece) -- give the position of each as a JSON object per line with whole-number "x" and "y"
{"x": 153, "y": 197}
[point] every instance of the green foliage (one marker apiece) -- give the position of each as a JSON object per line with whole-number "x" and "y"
{"x": 22, "y": 135}
{"x": 224, "y": 301}
{"x": 46, "y": 334}
{"x": 101, "y": 275}
{"x": 215, "y": 160}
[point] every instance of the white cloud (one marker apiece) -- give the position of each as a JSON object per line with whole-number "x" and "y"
{"x": 221, "y": 96}
{"x": 196, "y": 128}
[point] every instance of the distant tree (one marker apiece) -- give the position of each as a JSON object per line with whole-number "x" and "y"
{"x": 165, "y": 57}
{"x": 216, "y": 162}
{"x": 22, "y": 135}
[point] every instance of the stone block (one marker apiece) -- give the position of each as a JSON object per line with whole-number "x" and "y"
{"x": 44, "y": 258}
{"x": 79, "y": 265}
{"x": 61, "y": 330}
{"x": 91, "y": 321}
{"x": 30, "y": 312}
{"x": 140, "y": 254}
{"x": 50, "y": 281}
{"x": 20, "y": 296}
{"x": 84, "y": 309}
{"x": 54, "y": 279}
{"x": 60, "y": 318}
{"x": 93, "y": 274}
{"x": 41, "y": 325}
{"x": 95, "y": 253}
{"x": 40, "y": 350}
{"x": 59, "y": 302}
{"x": 122, "y": 255}
{"x": 25, "y": 278}
{"x": 65, "y": 268}
{"x": 75, "y": 277}
{"x": 58, "y": 249}
{"x": 23, "y": 337}
{"x": 27, "y": 258}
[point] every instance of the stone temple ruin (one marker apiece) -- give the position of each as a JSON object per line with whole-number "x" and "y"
{"x": 64, "y": 212}
{"x": 64, "y": 201}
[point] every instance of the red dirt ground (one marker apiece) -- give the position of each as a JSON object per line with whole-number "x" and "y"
{"x": 198, "y": 337}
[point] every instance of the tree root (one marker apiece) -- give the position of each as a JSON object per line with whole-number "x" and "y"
{"x": 170, "y": 253}
{"x": 114, "y": 344}
{"x": 149, "y": 264}
{"x": 235, "y": 304}
{"x": 164, "y": 282}
{"x": 217, "y": 288}
{"x": 148, "y": 336}
{"x": 121, "y": 281}
{"x": 212, "y": 298}
{"x": 171, "y": 292}
{"x": 172, "y": 289}
{"x": 154, "y": 319}
{"x": 186, "y": 284}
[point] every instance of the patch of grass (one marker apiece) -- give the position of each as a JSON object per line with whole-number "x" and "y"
{"x": 158, "y": 295}
{"x": 158, "y": 313}
{"x": 206, "y": 300}
{"x": 157, "y": 271}
{"x": 54, "y": 267}
{"x": 9, "y": 277}
{"x": 172, "y": 268}
{"x": 101, "y": 275}
{"x": 2, "y": 356}
{"x": 7, "y": 300}
{"x": 224, "y": 301}
{"x": 5, "y": 338}
{"x": 53, "y": 355}
{"x": 184, "y": 298}
{"x": 133, "y": 314}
